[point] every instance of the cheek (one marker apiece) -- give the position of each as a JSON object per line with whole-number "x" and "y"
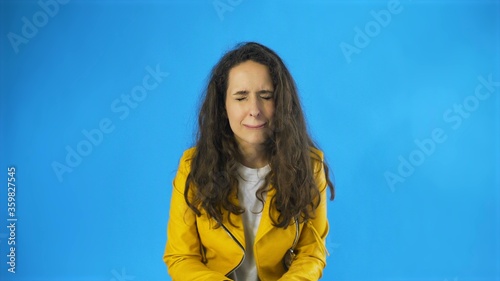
{"x": 232, "y": 115}
{"x": 270, "y": 111}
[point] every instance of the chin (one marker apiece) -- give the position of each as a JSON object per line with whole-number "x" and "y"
{"x": 254, "y": 141}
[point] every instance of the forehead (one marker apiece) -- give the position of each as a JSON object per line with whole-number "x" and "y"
{"x": 249, "y": 73}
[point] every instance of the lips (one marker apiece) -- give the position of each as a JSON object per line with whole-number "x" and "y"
{"x": 255, "y": 126}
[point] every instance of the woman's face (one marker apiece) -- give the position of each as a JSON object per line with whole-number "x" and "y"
{"x": 250, "y": 103}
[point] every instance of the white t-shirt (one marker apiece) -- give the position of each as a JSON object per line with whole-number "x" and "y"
{"x": 249, "y": 181}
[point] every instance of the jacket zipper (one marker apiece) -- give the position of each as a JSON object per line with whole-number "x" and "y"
{"x": 296, "y": 234}
{"x": 239, "y": 244}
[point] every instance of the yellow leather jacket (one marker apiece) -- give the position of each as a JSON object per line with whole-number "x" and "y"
{"x": 195, "y": 250}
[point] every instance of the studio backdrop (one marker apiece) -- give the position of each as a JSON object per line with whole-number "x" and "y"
{"x": 99, "y": 99}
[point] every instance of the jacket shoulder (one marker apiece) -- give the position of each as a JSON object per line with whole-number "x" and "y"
{"x": 184, "y": 169}
{"x": 317, "y": 159}
{"x": 316, "y": 154}
{"x": 187, "y": 156}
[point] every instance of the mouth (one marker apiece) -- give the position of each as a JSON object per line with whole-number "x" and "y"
{"x": 255, "y": 126}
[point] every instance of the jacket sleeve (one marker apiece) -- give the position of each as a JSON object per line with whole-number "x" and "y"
{"x": 182, "y": 251}
{"x": 310, "y": 251}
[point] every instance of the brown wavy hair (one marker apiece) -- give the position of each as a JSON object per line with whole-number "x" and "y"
{"x": 213, "y": 179}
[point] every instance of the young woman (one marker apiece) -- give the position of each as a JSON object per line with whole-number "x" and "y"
{"x": 249, "y": 200}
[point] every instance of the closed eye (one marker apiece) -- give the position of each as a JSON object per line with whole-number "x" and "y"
{"x": 266, "y": 94}
{"x": 241, "y": 95}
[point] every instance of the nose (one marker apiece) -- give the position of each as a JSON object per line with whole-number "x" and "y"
{"x": 255, "y": 107}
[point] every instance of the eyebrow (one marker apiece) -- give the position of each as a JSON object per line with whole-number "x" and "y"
{"x": 245, "y": 92}
{"x": 241, "y": 93}
{"x": 265, "y": 92}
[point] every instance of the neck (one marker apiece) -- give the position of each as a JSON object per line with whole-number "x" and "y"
{"x": 254, "y": 156}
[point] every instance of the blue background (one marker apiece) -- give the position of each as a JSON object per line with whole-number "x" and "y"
{"x": 106, "y": 219}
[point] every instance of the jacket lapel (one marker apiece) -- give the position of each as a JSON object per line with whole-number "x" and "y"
{"x": 266, "y": 223}
{"x": 236, "y": 228}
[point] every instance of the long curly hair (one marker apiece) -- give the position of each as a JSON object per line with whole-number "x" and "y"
{"x": 213, "y": 179}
